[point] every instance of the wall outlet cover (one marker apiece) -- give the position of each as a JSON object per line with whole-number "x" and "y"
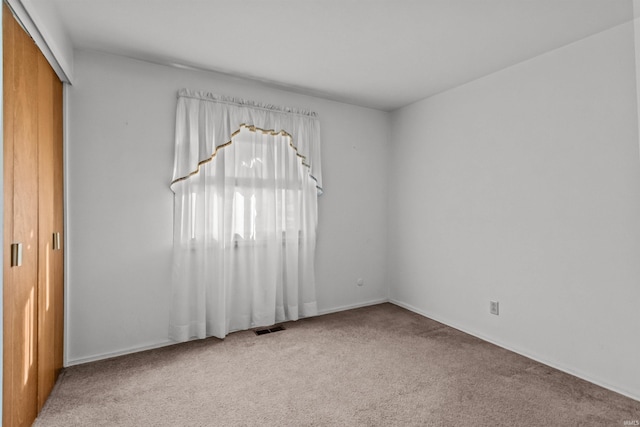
{"x": 494, "y": 307}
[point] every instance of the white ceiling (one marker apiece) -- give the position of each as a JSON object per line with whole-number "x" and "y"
{"x": 377, "y": 53}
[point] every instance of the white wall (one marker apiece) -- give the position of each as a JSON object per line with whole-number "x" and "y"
{"x": 524, "y": 187}
{"x": 120, "y": 158}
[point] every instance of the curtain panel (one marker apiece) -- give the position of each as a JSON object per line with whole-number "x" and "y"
{"x": 246, "y": 182}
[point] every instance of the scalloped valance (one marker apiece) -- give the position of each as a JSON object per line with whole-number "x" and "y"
{"x": 205, "y": 122}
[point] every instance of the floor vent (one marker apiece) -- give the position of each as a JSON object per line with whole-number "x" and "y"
{"x": 269, "y": 330}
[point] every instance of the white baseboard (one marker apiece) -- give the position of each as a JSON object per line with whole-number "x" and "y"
{"x": 521, "y": 352}
{"x": 352, "y": 306}
{"x": 95, "y": 358}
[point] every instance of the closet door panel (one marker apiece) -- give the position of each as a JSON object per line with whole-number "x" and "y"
{"x": 58, "y": 220}
{"x": 46, "y": 240}
{"x": 20, "y": 329}
{"x": 8, "y": 88}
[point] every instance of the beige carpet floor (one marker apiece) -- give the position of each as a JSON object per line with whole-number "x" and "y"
{"x": 373, "y": 366}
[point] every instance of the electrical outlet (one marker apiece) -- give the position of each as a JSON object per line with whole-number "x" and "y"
{"x": 360, "y": 282}
{"x": 494, "y": 307}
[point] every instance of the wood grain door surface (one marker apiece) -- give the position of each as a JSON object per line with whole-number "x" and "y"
{"x": 33, "y": 314}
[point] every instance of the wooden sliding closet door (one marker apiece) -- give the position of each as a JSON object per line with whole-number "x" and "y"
{"x": 50, "y": 263}
{"x": 33, "y": 290}
{"x": 20, "y": 67}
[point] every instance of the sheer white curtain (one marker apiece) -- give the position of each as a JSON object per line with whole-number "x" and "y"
{"x": 245, "y": 216}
